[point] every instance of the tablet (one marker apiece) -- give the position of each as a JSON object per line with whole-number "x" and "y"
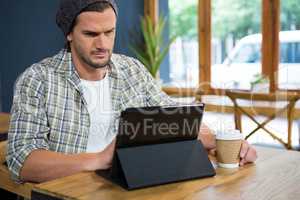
{"x": 150, "y": 137}
{"x": 156, "y": 125}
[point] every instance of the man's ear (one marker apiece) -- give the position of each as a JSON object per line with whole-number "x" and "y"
{"x": 70, "y": 37}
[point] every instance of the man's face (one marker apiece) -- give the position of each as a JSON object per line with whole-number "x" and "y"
{"x": 92, "y": 38}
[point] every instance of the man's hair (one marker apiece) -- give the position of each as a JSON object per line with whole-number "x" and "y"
{"x": 95, "y": 7}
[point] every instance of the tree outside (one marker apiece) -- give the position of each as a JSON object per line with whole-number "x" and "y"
{"x": 290, "y": 15}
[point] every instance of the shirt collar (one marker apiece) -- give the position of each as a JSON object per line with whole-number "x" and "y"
{"x": 66, "y": 67}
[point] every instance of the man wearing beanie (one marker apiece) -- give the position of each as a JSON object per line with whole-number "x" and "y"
{"x": 66, "y": 108}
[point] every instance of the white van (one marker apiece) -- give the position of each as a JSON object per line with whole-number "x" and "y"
{"x": 244, "y": 62}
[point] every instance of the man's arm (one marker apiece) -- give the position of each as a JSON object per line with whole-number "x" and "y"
{"x": 43, "y": 165}
{"x": 28, "y": 154}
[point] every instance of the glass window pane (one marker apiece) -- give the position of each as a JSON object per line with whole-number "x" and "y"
{"x": 183, "y": 67}
{"x": 236, "y": 43}
{"x": 289, "y": 37}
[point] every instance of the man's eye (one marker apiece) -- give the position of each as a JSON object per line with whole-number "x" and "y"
{"x": 109, "y": 32}
{"x": 90, "y": 34}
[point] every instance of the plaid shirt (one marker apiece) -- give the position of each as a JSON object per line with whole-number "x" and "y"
{"x": 49, "y": 111}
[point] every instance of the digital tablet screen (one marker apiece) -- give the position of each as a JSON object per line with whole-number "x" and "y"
{"x": 155, "y": 125}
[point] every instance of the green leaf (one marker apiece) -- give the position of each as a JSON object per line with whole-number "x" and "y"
{"x": 149, "y": 44}
{"x": 153, "y": 51}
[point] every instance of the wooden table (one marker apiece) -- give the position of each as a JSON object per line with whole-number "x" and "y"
{"x": 275, "y": 175}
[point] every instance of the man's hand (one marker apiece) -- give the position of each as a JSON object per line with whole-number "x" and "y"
{"x": 103, "y": 159}
{"x": 58, "y": 165}
{"x": 207, "y": 137}
{"x": 247, "y": 154}
{"x": 107, "y": 155}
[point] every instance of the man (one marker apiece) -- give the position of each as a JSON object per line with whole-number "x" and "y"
{"x": 66, "y": 108}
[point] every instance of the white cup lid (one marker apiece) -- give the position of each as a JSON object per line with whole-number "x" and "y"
{"x": 232, "y": 134}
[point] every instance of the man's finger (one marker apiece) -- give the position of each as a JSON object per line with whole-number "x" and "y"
{"x": 244, "y": 149}
{"x": 212, "y": 152}
{"x": 242, "y": 162}
{"x": 251, "y": 155}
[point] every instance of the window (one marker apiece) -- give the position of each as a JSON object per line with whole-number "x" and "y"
{"x": 289, "y": 37}
{"x": 236, "y": 33}
{"x": 183, "y": 54}
{"x": 227, "y": 25}
{"x": 248, "y": 53}
{"x": 290, "y": 52}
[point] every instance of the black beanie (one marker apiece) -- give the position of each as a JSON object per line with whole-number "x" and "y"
{"x": 70, "y": 9}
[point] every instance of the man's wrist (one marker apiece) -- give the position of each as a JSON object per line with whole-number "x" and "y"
{"x": 89, "y": 161}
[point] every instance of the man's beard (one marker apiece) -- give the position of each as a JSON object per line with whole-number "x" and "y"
{"x": 92, "y": 64}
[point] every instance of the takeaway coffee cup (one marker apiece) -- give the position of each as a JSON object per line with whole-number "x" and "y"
{"x": 229, "y": 144}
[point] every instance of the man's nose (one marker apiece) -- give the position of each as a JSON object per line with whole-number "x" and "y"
{"x": 100, "y": 41}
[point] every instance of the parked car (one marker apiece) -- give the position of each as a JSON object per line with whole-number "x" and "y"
{"x": 244, "y": 62}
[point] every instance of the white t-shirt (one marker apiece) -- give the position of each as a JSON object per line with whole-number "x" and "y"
{"x": 98, "y": 97}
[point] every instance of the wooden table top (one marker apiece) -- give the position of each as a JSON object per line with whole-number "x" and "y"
{"x": 275, "y": 175}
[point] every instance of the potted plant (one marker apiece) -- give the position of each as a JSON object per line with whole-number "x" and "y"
{"x": 152, "y": 50}
{"x": 259, "y": 83}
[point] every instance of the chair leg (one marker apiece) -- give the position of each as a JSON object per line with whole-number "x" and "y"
{"x": 290, "y": 118}
{"x": 290, "y": 128}
{"x": 298, "y": 124}
{"x": 238, "y": 120}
